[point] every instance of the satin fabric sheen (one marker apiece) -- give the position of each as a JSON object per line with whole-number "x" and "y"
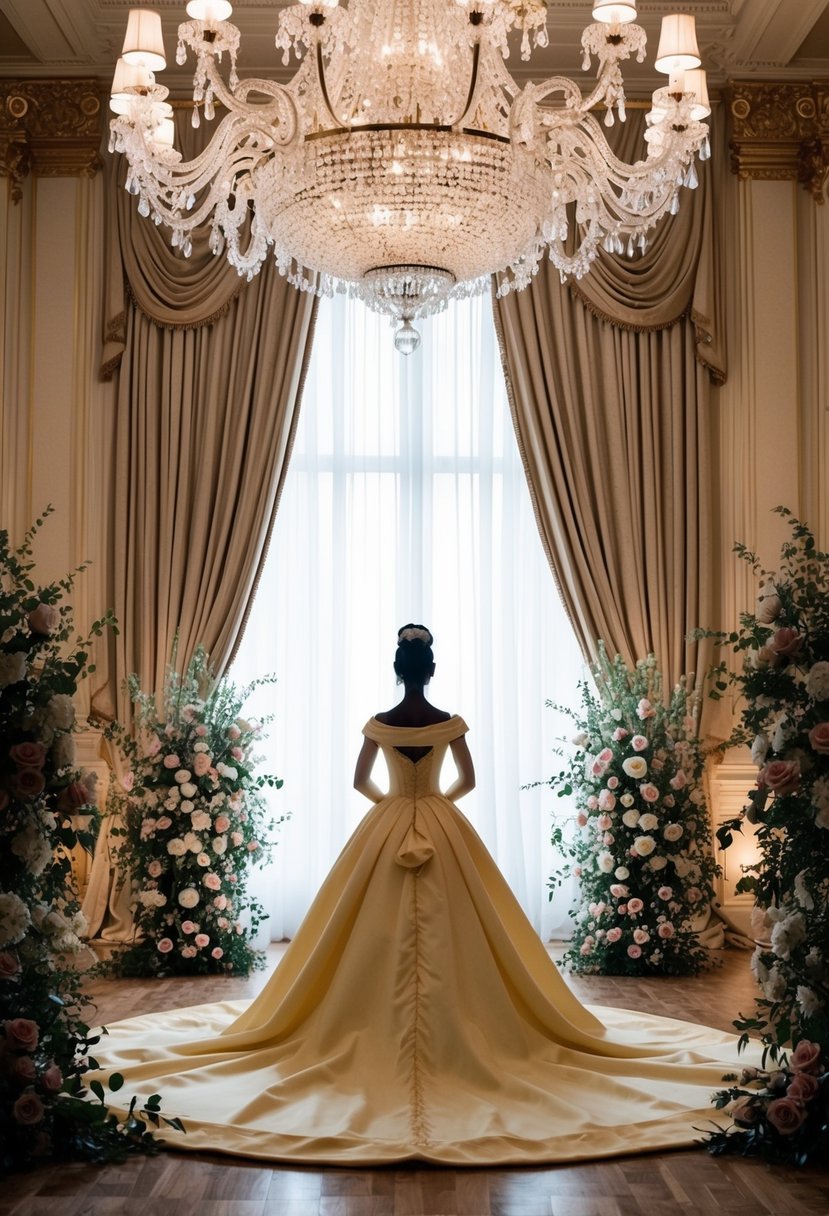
{"x": 417, "y": 1015}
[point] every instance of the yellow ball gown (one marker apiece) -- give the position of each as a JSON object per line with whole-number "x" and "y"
{"x": 416, "y": 1015}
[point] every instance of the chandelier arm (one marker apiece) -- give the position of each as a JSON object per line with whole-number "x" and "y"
{"x": 236, "y": 101}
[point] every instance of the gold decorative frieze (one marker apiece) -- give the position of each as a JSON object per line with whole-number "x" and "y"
{"x": 51, "y": 128}
{"x": 781, "y": 131}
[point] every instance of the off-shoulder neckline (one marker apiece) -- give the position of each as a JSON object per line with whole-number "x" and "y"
{"x": 427, "y": 726}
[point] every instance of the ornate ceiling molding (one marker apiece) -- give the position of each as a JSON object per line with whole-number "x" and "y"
{"x": 50, "y": 128}
{"x": 780, "y": 131}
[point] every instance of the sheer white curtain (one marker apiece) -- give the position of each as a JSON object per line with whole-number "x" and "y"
{"x": 405, "y": 500}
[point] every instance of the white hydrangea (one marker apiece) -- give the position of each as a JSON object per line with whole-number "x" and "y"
{"x": 808, "y": 1001}
{"x": 64, "y": 751}
{"x": 60, "y": 712}
{"x": 817, "y": 682}
{"x": 801, "y": 892}
{"x": 152, "y": 899}
{"x": 758, "y": 968}
{"x": 14, "y": 918}
{"x": 32, "y": 848}
{"x": 12, "y": 667}
{"x": 787, "y": 934}
{"x": 774, "y": 988}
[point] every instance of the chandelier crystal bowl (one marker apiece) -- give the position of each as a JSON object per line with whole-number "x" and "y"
{"x": 402, "y": 162}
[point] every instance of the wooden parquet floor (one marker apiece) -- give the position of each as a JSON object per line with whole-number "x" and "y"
{"x": 659, "y": 1184}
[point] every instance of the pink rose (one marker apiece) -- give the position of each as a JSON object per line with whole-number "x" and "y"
{"x": 665, "y": 892}
{"x": 154, "y": 746}
{"x": 28, "y": 1109}
{"x": 253, "y": 845}
{"x": 233, "y": 732}
{"x": 640, "y": 936}
{"x": 212, "y": 881}
{"x": 586, "y": 948}
{"x": 73, "y": 797}
{"x": 639, "y": 743}
{"x": 622, "y": 909}
{"x": 24, "y": 1070}
{"x": 745, "y": 1111}
{"x": 766, "y": 657}
{"x": 635, "y": 905}
{"x": 819, "y": 738}
{"x": 28, "y": 755}
{"x": 222, "y": 922}
{"x": 785, "y": 641}
{"x": 201, "y": 940}
{"x": 28, "y": 782}
{"x": 128, "y": 782}
{"x": 201, "y": 730}
{"x": 592, "y": 803}
{"x": 781, "y": 776}
{"x": 785, "y": 1115}
{"x": 188, "y": 952}
{"x": 52, "y": 1079}
{"x": 237, "y": 753}
{"x": 581, "y": 820}
{"x": 604, "y": 823}
{"x": 187, "y": 926}
{"x": 155, "y": 868}
{"x": 693, "y": 895}
{"x": 806, "y": 1057}
{"x": 614, "y": 934}
{"x": 605, "y": 755}
{"x": 612, "y": 783}
{"x": 44, "y": 619}
{"x": 635, "y": 951}
{"x": 216, "y": 952}
{"x": 236, "y": 838}
{"x": 649, "y": 792}
{"x": 665, "y": 929}
{"x": 644, "y": 710}
{"x": 803, "y": 1087}
{"x": 164, "y": 946}
{"x": 9, "y": 966}
{"x": 21, "y": 1034}
{"x": 618, "y": 890}
{"x": 201, "y": 763}
{"x": 222, "y": 823}
{"x": 679, "y": 779}
{"x": 619, "y": 734}
{"x": 220, "y": 902}
{"x": 607, "y": 800}
{"x": 163, "y": 823}
{"x": 597, "y": 768}
{"x": 171, "y": 761}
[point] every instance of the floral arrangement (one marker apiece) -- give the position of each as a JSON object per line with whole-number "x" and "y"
{"x": 44, "y": 1038}
{"x": 642, "y": 849}
{"x": 782, "y": 678}
{"x": 784, "y": 1115}
{"x": 193, "y": 819}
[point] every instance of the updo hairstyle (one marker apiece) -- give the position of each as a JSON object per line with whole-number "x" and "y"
{"x": 414, "y": 659}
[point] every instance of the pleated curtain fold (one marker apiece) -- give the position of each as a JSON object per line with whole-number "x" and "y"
{"x": 210, "y": 372}
{"x": 610, "y": 386}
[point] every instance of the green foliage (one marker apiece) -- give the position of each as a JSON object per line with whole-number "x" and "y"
{"x": 642, "y": 848}
{"x": 191, "y": 818}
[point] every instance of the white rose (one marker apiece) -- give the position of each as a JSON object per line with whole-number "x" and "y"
{"x": 188, "y": 790}
{"x": 220, "y": 844}
{"x": 192, "y": 842}
{"x": 787, "y": 934}
{"x": 657, "y": 863}
{"x": 201, "y": 746}
{"x": 227, "y": 770}
{"x": 203, "y": 859}
{"x": 802, "y": 893}
{"x": 60, "y": 712}
{"x": 182, "y": 775}
{"x": 581, "y": 739}
{"x": 12, "y": 667}
{"x": 605, "y": 861}
{"x": 188, "y": 897}
{"x": 817, "y": 682}
{"x": 621, "y": 872}
{"x": 635, "y": 767}
{"x": 186, "y": 806}
{"x": 648, "y": 822}
{"x": 672, "y": 831}
{"x": 174, "y": 794}
{"x": 808, "y": 1001}
{"x": 32, "y": 848}
{"x": 630, "y": 818}
{"x": 774, "y": 988}
{"x": 200, "y": 820}
{"x": 14, "y": 919}
{"x": 758, "y": 967}
{"x": 759, "y": 749}
{"x": 769, "y": 606}
{"x": 176, "y": 847}
{"x": 644, "y": 845}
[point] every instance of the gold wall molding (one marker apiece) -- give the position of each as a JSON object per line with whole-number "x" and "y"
{"x": 49, "y": 128}
{"x": 780, "y": 131}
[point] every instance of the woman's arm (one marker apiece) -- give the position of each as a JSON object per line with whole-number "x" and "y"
{"x": 362, "y": 773}
{"x": 466, "y": 770}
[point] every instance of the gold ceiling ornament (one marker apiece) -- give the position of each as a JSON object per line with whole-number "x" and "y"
{"x": 780, "y": 131}
{"x": 50, "y": 128}
{"x": 402, "y": 163}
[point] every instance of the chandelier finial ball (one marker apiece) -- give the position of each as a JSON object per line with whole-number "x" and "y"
{"x": 406, "y": 338}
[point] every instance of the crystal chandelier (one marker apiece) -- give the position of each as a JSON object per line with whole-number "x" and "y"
{"x": 402, "y": 163}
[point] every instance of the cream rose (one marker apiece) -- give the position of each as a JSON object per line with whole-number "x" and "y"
{"x": 188, "y": 897}
{"x": 648, "y": 822}
{"x": 635, "y": 767}
{"x": 644, "y": 845}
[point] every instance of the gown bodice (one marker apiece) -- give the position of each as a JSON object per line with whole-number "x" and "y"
{"x": 413, "y": 779}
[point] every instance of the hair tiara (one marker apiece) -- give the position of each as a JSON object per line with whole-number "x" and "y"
{"x": 415, "y": 633}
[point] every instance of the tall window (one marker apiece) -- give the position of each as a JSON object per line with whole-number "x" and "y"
{"x": 406, "y": 500}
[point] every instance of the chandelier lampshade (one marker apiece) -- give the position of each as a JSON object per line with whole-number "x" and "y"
{"x": 144, "y": 43}
{"x": 402, "y": 163}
